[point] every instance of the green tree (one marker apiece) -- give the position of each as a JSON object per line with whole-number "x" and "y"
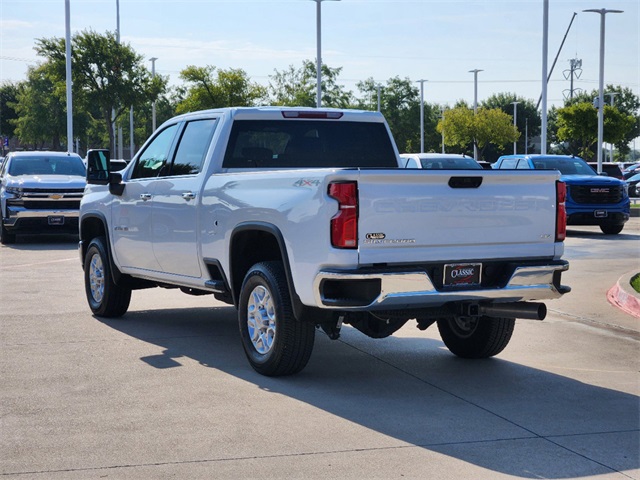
{"x": 8, "y": 99}
{"x": 207, "y": 88}
{"x": 527, "y": 120}
{"x": 488, "y": 126}
{"x": 297, "y": 87}
{"x": 40, "y": 108}
{"x": 626, "y": 102}
{"x": 578, "y": 126}
{"x": 108, "y": 76}
{"x": 400, "y": 105}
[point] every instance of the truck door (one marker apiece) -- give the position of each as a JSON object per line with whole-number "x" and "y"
{"x": 131, "y": 212}
{"x": 176, "y": 199}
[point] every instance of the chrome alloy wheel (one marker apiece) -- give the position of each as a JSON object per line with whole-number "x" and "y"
{"x": 261, "y": 319}
{"x": 464, "y": 327}
{"x": 96, "y": 278}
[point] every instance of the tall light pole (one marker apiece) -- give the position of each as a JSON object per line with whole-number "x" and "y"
{"x": 545, "y": 60}
{"x": 319, "y": 50}
{"x": 119, "y": 141}
{"x": 442, "y": 109}
{"x": 67, "y": 16}
{"x": 475, "y": 106}
{"x": 603, "y": 12}
{"x": 153, "y": 104}
{"x": 515, "y": 116}
{"x": 421, "y": 82}
{"x": 611, "y": 95}
{"x": 378, "y": 88}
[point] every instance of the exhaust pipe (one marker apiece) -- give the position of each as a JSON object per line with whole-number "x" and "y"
{"x": 528, "y": 310}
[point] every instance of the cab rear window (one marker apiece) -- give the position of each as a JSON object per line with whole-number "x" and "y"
{"x": 308, "y": 144}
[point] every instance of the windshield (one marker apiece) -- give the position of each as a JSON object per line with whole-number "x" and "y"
{"x": 566, "y": 166}
{"x": 46, "y": 166}
{"x": 450, "y": 163}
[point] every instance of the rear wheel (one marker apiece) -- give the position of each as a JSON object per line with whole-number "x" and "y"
{"x": 611, "y": 229}
{"x": 476, "y": 337}
{"x": 275, "y": 342}
{"x": 106, "y": 299}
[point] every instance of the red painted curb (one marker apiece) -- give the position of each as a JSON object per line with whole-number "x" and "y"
{"x": 624, "y": 300}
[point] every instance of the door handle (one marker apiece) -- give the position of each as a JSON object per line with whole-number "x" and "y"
{"x": 188, "y": 196}
{"x": 145, "y": 196}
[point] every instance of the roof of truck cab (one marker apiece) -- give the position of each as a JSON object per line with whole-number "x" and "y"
{"x": 538, "y": 156}
{"x": 277, "y": 113}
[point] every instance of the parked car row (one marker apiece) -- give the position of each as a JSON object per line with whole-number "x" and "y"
{"x": 631, "y": 170}
{"x": 591, "y": 199}
{"x": 41, "y": 191}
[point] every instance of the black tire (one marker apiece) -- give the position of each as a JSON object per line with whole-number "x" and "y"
{"x": 611, "y": 229}
{"x": 6, "y": 237}
{"x": 282, "y": 345}
{"x": 106, "y": 299}
{"x": 476, "y": 337}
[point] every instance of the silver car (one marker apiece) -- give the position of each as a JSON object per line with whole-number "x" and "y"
{"x": 40, "y": 192}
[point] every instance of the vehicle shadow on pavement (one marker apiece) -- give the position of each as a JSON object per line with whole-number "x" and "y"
{"x": 495, "y": 414}
{"x": 55, "y": 242}
{"x": 597, "y": 235}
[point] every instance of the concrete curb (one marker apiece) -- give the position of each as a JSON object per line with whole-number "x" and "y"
{"x": 623, "y": 296}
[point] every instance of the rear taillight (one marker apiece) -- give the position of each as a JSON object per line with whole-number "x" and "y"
{"x": 561, "y": 211}
{"x": 344, "y": 224}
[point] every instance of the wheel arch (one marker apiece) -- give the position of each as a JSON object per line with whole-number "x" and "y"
{"x": 253, "y": 242}
{"x": 92, "y": 226}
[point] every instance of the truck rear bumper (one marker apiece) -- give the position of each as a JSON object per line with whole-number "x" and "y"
{"x": 354, "y": 290}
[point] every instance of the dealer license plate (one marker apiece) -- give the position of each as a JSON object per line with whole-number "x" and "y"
{"x": 56, "y": 220}
{"x": 462, "y": 274}
{"x": 600, "y": 214}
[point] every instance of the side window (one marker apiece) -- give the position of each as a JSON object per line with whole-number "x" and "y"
{"x": 193, "y": 147}
{"x": 151, "y": 161}
{"x": 509, "y": 163}
{"x": 523, "y": 164}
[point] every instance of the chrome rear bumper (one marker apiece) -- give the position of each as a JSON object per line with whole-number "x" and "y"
{"x": 389, "y": 290}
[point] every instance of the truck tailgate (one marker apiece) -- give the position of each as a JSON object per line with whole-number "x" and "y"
{"x": 424, "y": 216}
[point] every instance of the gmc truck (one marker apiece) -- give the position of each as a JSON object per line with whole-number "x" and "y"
{"x": 304, "y": 218}
{"x": 592, "y": 199}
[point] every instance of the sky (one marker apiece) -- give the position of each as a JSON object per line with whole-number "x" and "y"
{"x": 437, "y": 41}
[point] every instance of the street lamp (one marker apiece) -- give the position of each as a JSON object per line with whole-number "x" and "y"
{"x": 421, "y": 82}
{"x": 603, "y": 12}
{"x": 442, "y": 109}
{"x": 545, "y": 77}
{"x": 67, "y": 22}
{"x": 515, "y": 116}
{"x": 153, "y": 104}
{"x": 475, "y": 105}
{"x": 319, "y": 50}
{"x": 611, "y": 96}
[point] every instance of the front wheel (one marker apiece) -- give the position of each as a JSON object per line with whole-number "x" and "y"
{"x": 275, "y": 342}
{"x": 6, "y": 237}
{"x": 106, "y": 299}
{"x": 611, "y": 229}
{"x": 476, "y": 337}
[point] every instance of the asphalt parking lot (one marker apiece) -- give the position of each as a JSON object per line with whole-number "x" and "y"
{"x": 166, "y": 392}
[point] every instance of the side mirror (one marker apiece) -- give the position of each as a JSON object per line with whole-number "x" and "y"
{"x": 98, "y": 167}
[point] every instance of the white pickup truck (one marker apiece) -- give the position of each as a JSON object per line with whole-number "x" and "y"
{"x": 303, "y": 218}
